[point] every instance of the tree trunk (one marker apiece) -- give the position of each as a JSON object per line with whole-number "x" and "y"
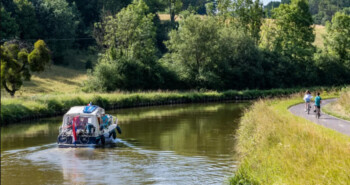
{"x": 172, "y": 18}
{"x": 172, "y": 14}
{"x": 12, "y": 92}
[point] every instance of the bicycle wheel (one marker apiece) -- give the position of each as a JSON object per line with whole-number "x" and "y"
{"x": 318, "y": 114}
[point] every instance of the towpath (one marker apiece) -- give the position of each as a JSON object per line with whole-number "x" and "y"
{"x": 326, "y": 120}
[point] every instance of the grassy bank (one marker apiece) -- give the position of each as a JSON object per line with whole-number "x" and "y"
{"x": 276, "y": 147}
{"x": 45, "y": 105}
{"x": 340, "y": 108}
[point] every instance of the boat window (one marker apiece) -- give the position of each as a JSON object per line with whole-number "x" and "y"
{"x": 81, "y": 123}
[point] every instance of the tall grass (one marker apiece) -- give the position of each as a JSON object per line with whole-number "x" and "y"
{"x": 45, "y": 105}
{"x": 276, "y": 147}
{"x": 340, "y": 108}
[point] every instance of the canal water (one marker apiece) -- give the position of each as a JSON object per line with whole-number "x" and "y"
{"x": 178, "y": 144}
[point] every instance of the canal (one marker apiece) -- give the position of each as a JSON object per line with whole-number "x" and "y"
{"x": 175, "y": 144}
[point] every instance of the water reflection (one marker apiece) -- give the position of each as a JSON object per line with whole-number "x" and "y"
{"x": 182, "y": 144}
{"x": 186, "y": 129}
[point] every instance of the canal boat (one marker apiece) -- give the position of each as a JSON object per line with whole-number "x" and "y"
{"x": 87, "y": 126}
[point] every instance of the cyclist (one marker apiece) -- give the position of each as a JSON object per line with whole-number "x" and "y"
{"x": 307, "y": 99}
{"x": 318, "y": 102}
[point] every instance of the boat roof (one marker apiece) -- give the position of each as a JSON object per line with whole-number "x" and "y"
{"x": 80, "y": 110}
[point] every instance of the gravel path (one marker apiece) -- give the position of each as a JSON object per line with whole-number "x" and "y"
{"x": 326, "y": 120}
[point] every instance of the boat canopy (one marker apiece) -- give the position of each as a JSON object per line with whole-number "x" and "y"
{"x": 86, "y": 110}
{"x": 87, "y": 115}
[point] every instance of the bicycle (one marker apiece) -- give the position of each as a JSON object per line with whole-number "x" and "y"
{"x": 318, "y": 112}
{"x": 308, "y": 108}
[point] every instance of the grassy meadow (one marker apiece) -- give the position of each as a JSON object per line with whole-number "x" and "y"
{"x": 55, "y": 79}
{"x": 340, "y": 108}
{"x": 276, "y": 147}
{"x": 319, "y": 32}
{"x": 58, "y": 79}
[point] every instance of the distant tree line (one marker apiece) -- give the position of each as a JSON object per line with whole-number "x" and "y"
{"x": 227, "y": 49}
{"x": 216, "y": 44}
{"x": 321, "y": 10}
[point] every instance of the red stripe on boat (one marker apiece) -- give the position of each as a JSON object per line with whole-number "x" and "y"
{"x": 75, "y": 119}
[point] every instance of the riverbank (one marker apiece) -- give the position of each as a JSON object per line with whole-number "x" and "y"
{"x": 276, "y": 147}
{"x": 46, "y": 105}
{"x": 27, "y": 108}
{"x": 340, "y": 108}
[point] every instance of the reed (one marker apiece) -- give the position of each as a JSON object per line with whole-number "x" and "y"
{"x": 276, "y": 147}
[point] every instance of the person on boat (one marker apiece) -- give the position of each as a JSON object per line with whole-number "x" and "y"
{"x": 105, "y": 120}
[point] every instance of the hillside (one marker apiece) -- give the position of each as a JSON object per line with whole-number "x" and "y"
{"x": 55, "y": 79}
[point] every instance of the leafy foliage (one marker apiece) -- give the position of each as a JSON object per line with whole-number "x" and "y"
{"x": 39, "y": 58}
{"x": 249, "y": 14}
{"x": 294, "y": 30}
{"x": 321, "y": 10}
{"x": 17, "y": 64}
{"x": 131, "y": 33}
{"x": 338, "y": 37}
{"x": 206, "y": 54}
{"x": 26, "y": 20}
{"x": 58, "y": 20}
{"x": 9, "y": 27}
{"x": 130, "y": 62}
{"x": 334, "y": 61}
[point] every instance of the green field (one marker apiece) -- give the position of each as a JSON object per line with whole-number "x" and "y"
{"x": 55, "y": 79}
{"x": 276, "y": 147}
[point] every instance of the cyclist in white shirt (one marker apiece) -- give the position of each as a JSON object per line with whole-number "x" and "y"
{"x": 307, "y": 99}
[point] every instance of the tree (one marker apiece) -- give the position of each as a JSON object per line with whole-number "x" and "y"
{"x": 294, "y": 31}
{"x": 291, "y": 35}
{"x": 17, "y": 64}
{"x": 337, "y": 40}
{"x": 192, "y": 48}
{"x": 174, "y": 7}
{"x": 207, "y": 53}
{"x": 130, "y": 60}
{"x": 249, "y": 14}
{"x": 270, "y": 6}
{"x": 246, "y": 14}
{"x": 239, "y": 60}
{"x": 323, "y": 10}
{"x": 131, "y": 32}
{"x": 9, "y": 27}
{"x": 59, "y": 22}
{"x": 197, "y": 5}
{"x": 26, "y": 20}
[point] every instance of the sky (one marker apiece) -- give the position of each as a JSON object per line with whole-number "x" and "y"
{"x": 267, "y": 1}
